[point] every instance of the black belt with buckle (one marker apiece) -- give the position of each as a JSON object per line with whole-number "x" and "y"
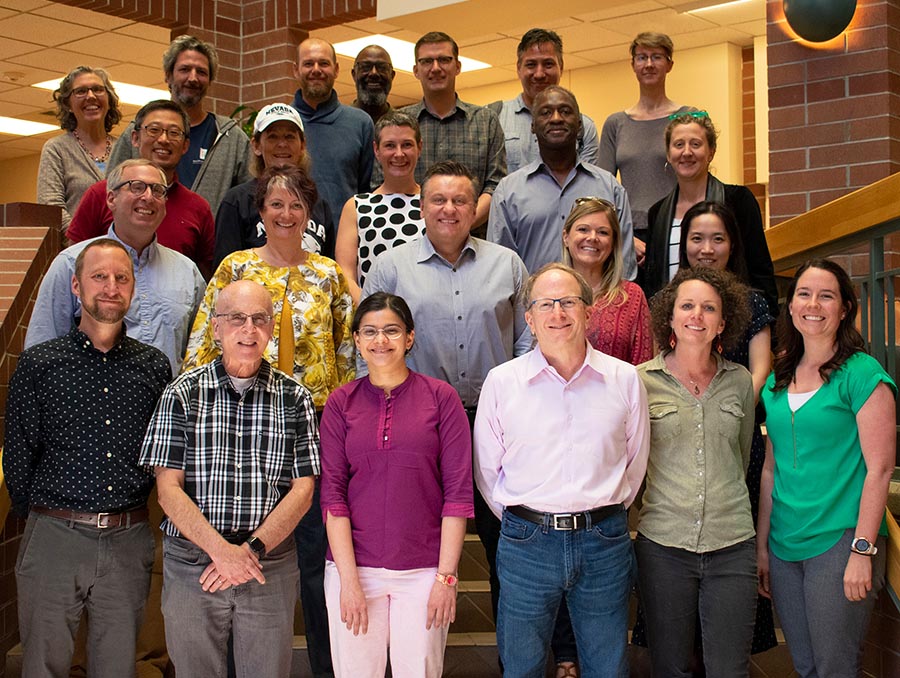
{"x": 566, "y": 521}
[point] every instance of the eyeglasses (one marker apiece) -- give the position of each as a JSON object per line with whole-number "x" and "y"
{"x": 594, "y": 199}
{"x": 383, "y": 67}
{"x": 82, "y": 92}
{"x": 155, "y": 131}
{"x": 238, "y": 319}
{"x": 391, "y": 332}
{"x": 138, "y": 187}
{"x": 655, "y": 58}
{"x": 689, "y": 114}
{"x": 442, "y": 61}
{"x": 546, "y": 305}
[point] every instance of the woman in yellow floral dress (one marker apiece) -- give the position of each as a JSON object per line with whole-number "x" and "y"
{"x": 312, "y": 341}
{"x": 318, "y": 351}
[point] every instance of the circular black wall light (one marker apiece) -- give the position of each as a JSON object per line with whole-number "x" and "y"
{"x": 819, "y": 20}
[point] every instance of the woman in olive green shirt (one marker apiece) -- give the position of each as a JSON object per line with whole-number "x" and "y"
{"x": 696, "y": 547}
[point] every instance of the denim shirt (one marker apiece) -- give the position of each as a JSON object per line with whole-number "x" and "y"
{"x": 696, "y": 495}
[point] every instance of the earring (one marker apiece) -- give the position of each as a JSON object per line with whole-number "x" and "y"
{"x": 672, "y": 339}
{"x": 719, "y": 348}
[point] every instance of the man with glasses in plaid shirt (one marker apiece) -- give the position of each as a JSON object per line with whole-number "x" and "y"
{"x": 530, "y": 206}
{"x": 235, "y": 447}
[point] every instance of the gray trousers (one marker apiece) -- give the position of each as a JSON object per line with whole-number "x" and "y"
{"x": 824, "y": 631}
{"x": 260, "y": 616}
{"x": 64, "y": 569}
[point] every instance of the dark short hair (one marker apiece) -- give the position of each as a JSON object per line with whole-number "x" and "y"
{"x": 184, "y": 43}
{"x": 434, "y": 37}
{"x": 397, "y": 119}
{"x": 540, "y": 36}
{"x": 163, "y": 105}
{"x": 449, "y": 168}
{"x": 652, "y": 40}
{"x": 383, "y": 301}
{"x": 547, "y": 91}
{"x": 737, "y": 262}
{"x": 790, "y": 341}
{"x": 712, "y": 134}
{"x": 100, "y": 242}
{"x": 735, "y": 297}
{"x": 294, "y": 179}
{"x": 586, "y": 294}
{"x": 62, "y": 94}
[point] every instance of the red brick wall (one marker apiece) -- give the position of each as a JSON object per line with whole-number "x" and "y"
{"x": 834, "y": 112}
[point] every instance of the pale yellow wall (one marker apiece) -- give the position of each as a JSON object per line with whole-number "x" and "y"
{"x": 18, "y": 179}
{"x": 708, "y": 78}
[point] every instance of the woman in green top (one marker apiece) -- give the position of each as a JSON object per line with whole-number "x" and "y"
{"x": 695, "y": 546}
{"x": 829, "y": 459}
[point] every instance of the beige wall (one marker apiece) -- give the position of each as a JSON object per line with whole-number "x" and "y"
{"x": 19, "y": 179}
{"x": 708, "y": 78}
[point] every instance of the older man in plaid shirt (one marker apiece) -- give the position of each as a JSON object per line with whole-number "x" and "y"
{"x": 235, "y": 448}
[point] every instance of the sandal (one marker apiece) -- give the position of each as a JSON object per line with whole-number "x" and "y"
{"x": 566, "y": 670}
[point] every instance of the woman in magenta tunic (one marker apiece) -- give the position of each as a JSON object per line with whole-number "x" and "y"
{"x": 396, "y": 492}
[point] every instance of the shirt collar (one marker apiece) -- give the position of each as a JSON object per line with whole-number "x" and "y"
{"x": 145, "y": 257}
{"x": 84, "y": 341}
{"x": 519, "y": 105}
{"x": 265, "y": 377}
{"x": 462, "y": 110}
{"x": 427, "y": 251}
{"x": 658, "y": 364}
{"x": 537, "y": 363}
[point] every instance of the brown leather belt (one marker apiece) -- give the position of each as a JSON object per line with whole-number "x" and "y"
{"x": 98, "y": 520}
{"x": 565, "y": 521}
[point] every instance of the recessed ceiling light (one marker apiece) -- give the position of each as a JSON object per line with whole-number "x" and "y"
{"x": 402, "y": 52}
{"x": 24, "y": 128}
{"x": 702, "y": 7}
{"x": 128, "y": 94}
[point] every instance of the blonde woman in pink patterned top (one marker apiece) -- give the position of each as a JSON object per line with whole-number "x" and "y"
{"x": 619, "y": 322}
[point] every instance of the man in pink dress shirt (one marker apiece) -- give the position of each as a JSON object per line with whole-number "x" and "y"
{"x": 561, "y": 446}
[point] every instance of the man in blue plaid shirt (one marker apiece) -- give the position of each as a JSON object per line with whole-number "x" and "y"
{"x": 235, "y": 447}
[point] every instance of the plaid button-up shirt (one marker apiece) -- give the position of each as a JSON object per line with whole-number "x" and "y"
{"x": 239, "y": 453}
{"x": 471, "y": 135}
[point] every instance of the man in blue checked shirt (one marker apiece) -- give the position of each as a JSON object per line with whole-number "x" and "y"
{"x": 235, "y": 447}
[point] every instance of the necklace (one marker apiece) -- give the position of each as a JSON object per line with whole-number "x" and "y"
{"x": 102, "y": 158}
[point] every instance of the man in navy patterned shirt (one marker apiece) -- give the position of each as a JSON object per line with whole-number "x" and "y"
{"x": 77, "y": 410}
{"x": 235, "y": 446}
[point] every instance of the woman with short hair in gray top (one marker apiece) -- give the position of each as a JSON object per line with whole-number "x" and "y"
{"x": 631, "y": 142}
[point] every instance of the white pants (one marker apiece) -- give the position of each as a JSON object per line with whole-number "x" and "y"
{"x": 396, "y": 602}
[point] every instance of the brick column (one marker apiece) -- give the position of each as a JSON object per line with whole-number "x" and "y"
{"x": 834, "y": 110}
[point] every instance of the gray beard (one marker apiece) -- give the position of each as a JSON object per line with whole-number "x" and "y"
{"x": 371, "y": 99}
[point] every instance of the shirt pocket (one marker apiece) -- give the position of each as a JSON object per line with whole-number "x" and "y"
{"x": 731, "y": 417}
{"x": 664, "y": 422}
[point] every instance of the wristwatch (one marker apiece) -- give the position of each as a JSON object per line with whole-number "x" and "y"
{"x": 256, "y": 545}
{"x": 863, "y": 547}
{"x": 447, "y": 579}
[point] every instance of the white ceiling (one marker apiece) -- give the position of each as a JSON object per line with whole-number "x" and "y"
{"x": 40, "y": 40}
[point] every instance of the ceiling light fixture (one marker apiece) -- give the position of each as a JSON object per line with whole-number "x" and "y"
{"x": 136, "y": 95}
{"x": 24, "y": 128}
{"x": 402, "y": 52}
{"x": 703, "y": 7}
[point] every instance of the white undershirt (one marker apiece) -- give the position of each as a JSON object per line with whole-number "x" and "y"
{"x": 674, "y": 242}
{"x": 798, "y": 400}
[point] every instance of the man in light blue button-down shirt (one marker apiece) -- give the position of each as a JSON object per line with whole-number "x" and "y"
{"x": 168, "y": 287}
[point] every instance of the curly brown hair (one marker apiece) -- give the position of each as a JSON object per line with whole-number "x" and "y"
{"x": 735, "y": 297}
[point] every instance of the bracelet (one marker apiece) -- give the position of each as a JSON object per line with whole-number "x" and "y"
{"x": 447, "y": 579}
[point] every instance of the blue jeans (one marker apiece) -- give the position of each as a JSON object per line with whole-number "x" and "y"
{"x": 676, "y": 586}
{"x": 824, "y": 631}
{"x": 260, "y": 616}
{"x": 592, "y": 567}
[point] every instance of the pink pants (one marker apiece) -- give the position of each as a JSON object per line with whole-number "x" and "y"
{"x": 396, "y": 605}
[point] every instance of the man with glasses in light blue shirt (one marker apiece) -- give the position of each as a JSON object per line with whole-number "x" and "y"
{"x": 168, "y": 286}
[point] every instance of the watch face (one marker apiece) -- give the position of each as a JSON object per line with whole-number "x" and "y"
{"x": 862, "y": 545}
